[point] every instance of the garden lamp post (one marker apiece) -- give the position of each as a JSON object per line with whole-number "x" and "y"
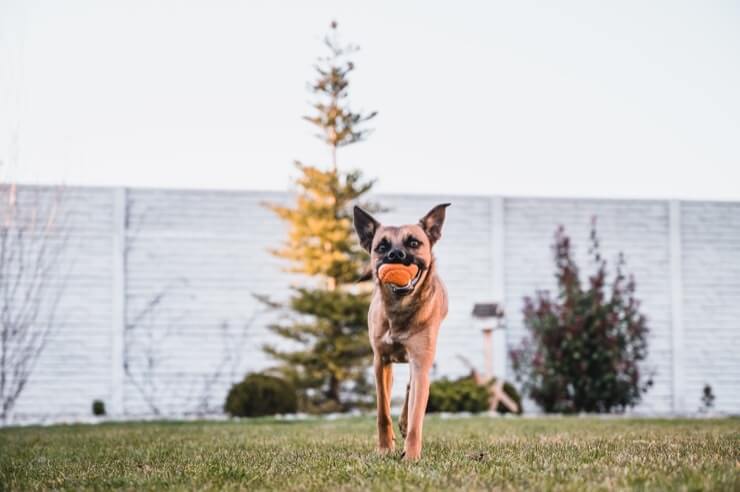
{"x": 491, "y": 317}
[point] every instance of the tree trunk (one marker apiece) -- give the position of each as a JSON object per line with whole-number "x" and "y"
{"x": 333, "y": 393}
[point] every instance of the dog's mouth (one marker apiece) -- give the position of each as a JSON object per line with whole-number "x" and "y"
{"x": 404, "y": 290}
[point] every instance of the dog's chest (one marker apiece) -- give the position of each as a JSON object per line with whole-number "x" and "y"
{"x": 392, "y": 347}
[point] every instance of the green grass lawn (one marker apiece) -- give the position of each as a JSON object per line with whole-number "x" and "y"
{"x": 474, "y": 453}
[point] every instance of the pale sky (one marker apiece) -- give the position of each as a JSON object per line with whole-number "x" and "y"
{"x": 602, "y": 99}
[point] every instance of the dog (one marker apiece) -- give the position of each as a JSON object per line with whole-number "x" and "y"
{"x": 404, "y": 321}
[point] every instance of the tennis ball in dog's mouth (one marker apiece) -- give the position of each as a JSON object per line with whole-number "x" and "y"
{"x": 397, "y": 274}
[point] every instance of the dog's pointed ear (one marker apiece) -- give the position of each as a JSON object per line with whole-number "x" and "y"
{"x": 365, "y": 226}
{"x": 432, "y": 222}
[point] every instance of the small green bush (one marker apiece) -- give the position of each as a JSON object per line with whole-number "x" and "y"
{"x": 465, "y": 395}
{"x": 460, "y": 395}
{"x": 98, "y": 408}
{"x": 260, "y": 394}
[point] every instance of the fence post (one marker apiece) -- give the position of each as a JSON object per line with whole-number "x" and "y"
{"x": 118, "y": 291}
{"x": 497, "y": 260}
{"x": 677, "y": 331}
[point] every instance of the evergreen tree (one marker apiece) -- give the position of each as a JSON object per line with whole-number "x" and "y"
{"x": 329, "y": 322}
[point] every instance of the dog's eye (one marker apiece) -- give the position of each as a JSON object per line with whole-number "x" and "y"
{"x": 382, "y": 248}
{"x": 413, "y": 243}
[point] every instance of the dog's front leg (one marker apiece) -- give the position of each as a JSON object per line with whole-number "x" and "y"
{"x": 418, "y": 396}
{"x": 383, "y": 384}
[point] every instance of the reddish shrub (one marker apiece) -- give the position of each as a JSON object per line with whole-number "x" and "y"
{"x": 586, "y": 344}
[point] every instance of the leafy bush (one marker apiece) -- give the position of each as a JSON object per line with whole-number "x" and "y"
{"x": 260, "y": 394}
{"x": 461, "y": 395}
{"x": 98, "y": 408}
{"x": 585, "y": 344}
{"x": 465, "y": 395}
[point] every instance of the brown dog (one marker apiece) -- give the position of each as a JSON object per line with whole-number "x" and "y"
{"x": 404, "y": 320}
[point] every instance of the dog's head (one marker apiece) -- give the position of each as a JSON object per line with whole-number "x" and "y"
{"x": 405, "y": 244}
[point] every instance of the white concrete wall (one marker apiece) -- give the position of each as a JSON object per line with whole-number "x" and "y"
{"x": 74, "y": 367}
{"x": 205, "y": 253}
{"x": 711, "y": 302}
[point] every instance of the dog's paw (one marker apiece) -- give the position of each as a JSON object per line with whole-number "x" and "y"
{"x": 411, "y": 455}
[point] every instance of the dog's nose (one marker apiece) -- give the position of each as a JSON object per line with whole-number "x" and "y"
{"x": 396, "y": 255}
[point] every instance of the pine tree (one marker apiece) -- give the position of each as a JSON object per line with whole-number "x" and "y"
{"x": 329, "y": 322}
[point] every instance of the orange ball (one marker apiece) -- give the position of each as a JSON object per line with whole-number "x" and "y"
{"x": 397, "y": 274}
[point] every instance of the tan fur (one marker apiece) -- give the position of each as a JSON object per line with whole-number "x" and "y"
{"x": 404, "y": 328}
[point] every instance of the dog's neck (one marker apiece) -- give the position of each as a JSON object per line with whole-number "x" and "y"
{"x": 404, "y": 311}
